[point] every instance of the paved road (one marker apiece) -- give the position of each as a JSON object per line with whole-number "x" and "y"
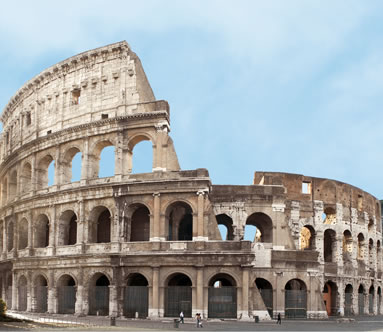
{"x": 102, "y": 324}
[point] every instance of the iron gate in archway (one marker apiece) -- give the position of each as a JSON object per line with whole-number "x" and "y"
{"x": 222, "y": 302}
{"x": 348, "y": 304}
{"x": 41, "y": 294}
{"x": 66, "y": 299}
{"x": 177, "y": 299}
{"x": 136, "y": 300}
{"x": 295, "y": 304}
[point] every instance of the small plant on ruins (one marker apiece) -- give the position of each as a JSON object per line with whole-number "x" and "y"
{"x": 3, "y": 308}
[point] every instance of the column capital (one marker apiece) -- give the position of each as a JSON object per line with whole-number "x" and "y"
{"x": 203, "y": 191}
{"x": 156, "y": 194}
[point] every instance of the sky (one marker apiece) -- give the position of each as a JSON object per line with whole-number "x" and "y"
{"x": 282, "y": 85}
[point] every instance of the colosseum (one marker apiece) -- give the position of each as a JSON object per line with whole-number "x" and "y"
{"x": 149, "y": 245}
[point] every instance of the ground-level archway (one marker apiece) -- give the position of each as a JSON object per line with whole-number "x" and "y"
{"x": 41, "y": 294}
{"x": 295, "y": 299}
{"x": 99, "y": 295}
{"x": 348, "y": 311}
{"x": 178, "y": 295}
{"x": 266, "y": 291}
{"x": 136, "y": 296}
{"x": 330, "y": 291}
{"x": 361, "y": 296}
{"x": 222, "y": 297}
{"x": 371, "y": 298}
{"x": 66, "y": 293}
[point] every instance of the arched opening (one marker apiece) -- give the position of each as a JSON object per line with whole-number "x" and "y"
{"x": 360, "y": 254}
{"x": 179, "y": 217}
{"x": 329, "y": 246}
{"x": 178, "y": 295}
{"x": 41, "y": 234}
{"x": 370, "y": 225}
{"x": 371, "y": 296}
{"x": 66, "y": 293}
{"x": 45, "y": 172}
{"x": 140, "y": 224}
{"x": 347, "y": 246}
{"x": 225, "y": 226}
{"x": 26, "y": 178}
{"x": 379, "y": 302}
{"x": 23, "y": 233}
{"x": 100, "y": 229}
{"x": 348, "y": 303}
{"x": 295, "y": 299}
{"x": 10, "y": 234}
{"x": 99, "y": 295}
{"x": 22, "y": 293}
{"x": 307, "y": 238}
{"x": 41, "y": 294}
{"x": 12, "y": 185}
{"x": 136, "y": 296}
{"x": 67, "y": 228}
{"x": 371, "y": 254}
{"x": 222, "y": 297}
{"x": 329, "y": 216}
{"x": 71, "y": 165}
{"x": 106, "y": 161}
{"x": 379, "y": 255}
{"x": 266, "y": 291}
{"x": 9, "y": 291}
{"x": 361, "y": 296}
{"x": 142, "y": 161}
{"x": 330, "y": 291}
{"x": 264, "y": 227}
{"x": 4, "y": 192}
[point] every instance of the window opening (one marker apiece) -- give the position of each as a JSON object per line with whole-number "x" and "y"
{"x": 306, "y": 187}
{"x": 106, "y": 168}
{"x": 51, "y": 174}
{"x": 76, "y": 167}
{"x": 76, "y": 97}
{"x": 142, "y": 157}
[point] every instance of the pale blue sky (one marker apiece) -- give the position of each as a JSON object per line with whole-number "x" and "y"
{"x": 293, "y": 86}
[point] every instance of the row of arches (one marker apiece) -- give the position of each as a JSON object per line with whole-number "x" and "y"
{"x": 100, "y": 162}
{"x": 221, "y": 288}
{"x": 330, "y": 243}
{"x": 99, "y": 225}
{"x": 363, "y": 300}
{"x": 258, "y": 227}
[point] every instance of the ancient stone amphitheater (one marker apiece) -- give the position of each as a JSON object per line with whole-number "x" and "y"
{"x": 149, "y": 244}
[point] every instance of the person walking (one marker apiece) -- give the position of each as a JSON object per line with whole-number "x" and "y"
{"x": 182, "y": 317}
{"x": 279, "y": 320}
{"x": 198, "y": 317}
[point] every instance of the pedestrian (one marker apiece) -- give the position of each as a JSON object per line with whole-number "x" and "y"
{"x": 279, "y": 320}
{"x": 198, "y": 317}
{"x": 182, "y": 317}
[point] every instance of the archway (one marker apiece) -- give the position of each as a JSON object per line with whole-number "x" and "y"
{"x": 179, "y": 222}
{"x": 371, "y": 297}
{"x": 41, "y": 294}
{"x": 330, "y": 291}
{"x": 22, "y": 293}
{"x": 329, "y": 216}
{"x": 142, "y": 157}
{"x": 66, "y": 294}
{"x": 224, "y": 220}
{"x": 23, "y": 234}
{"x": 371, "y": 253}
{"x": 71, "y": 165}
{"x": 361, "y": 296}
{"x": 99, "y": 295}
{"x": 10, "y": 234}
{"x": 295, "y": 299}
{"x": 266, "y": 291}
{"x": 41, "y": 236}
{"x": 136, "y": 296}
{"x": 329, "y": 246}
{"x": 67, "y": 228}
{"x": 360, "y": 254}
{"x": 348, "y": 311}
{"x": 264, "y": 226}
{"x": 44, "y": 167}
{"x": 26, "y": 178}
{"x": 347, "y": 246}
{"x": 140, "y": 224}
{"x": 307, "y": 238}
{"x": 100, "y": 230}
{"x": 379, "y": 302}
{"x": 178, "y": 295}
{"x": 9, "y": 291}
{"x": 13, "y": 185}
{"x": 222, "y": 297}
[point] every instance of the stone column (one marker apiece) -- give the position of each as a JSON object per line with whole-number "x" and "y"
{"x": 245, "y": 294}
{"x": 200, "y": 214}
{"x": 155, "y": 236}
{"x": 52, "y": 231}
{"x": 85, "y": 162}
{"x": 52, "y": 300}
{"x": 30, "y": 291}
{"x": 153, "y": 312}
{"x": 366, "y": 302}
{"x": 119, "y": 156}
{"x": 339, "y": 250}
{"x": 34, "y": 174}
{"x": 33, "y": 305}
{"x": 341, "y": 288}
{"x": 80, "y": 295}
{"x": 5, "y": 241}
{"x": 163, "y": 227}
{"x": 199, "y": 291}
{"x": 58, "y": 169}
{"x": 113, "y": 301}
{"x": 30, "y": 233}
{"x": 15, "y": 301}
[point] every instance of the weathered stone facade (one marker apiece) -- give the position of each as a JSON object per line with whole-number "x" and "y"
{"x": 149, "y": 244}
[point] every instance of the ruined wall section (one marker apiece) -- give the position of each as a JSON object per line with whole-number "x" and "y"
{"x": 98, "y": 84}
